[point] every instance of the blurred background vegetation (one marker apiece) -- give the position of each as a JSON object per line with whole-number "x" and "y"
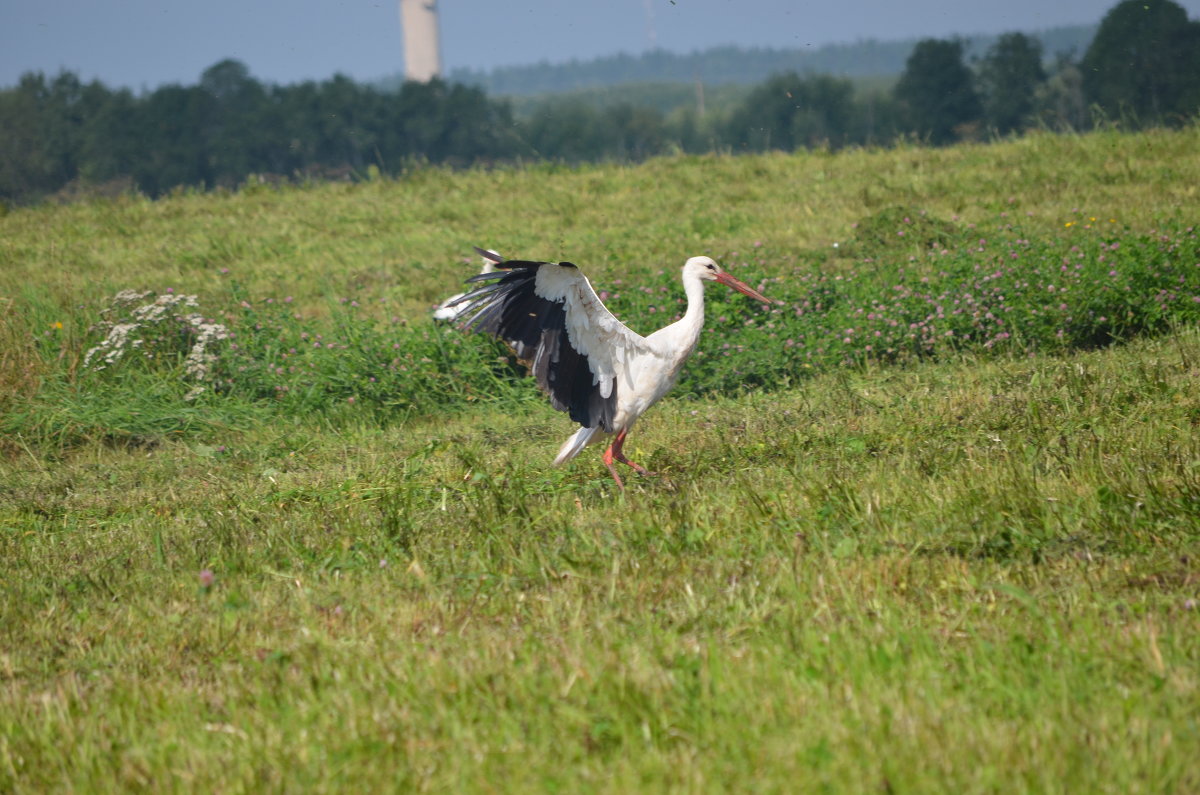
{"x": 61, "y": 137}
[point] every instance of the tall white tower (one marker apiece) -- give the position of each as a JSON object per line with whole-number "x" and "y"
{"x": 422, "y": 51}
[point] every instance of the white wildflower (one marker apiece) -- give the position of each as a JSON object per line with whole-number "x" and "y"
{"x": 113, "y": 346}
{"x": 199, "y": 358}
{"x": 156, "y": 325}
{"x": 129, "y": 297}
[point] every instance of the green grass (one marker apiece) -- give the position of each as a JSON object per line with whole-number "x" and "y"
{"x": 968, "y": 569}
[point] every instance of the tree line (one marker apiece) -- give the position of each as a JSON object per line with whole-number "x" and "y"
{"x": 59, "y": 134}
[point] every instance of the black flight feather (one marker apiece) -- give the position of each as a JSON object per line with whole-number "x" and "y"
{"x": 508, "y": 307}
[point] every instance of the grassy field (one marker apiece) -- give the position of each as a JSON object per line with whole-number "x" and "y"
{"x": 966, "y": 565}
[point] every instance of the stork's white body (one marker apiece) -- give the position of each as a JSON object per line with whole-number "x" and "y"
{"x": 647, "y": 371}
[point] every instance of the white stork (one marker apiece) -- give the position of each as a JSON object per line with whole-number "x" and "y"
{"x": 590, "y": 364}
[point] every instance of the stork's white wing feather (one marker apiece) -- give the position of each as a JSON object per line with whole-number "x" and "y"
{"x": 593, "y": 330}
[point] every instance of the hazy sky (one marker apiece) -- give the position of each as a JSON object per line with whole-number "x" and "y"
{"x": 144, "y": 43}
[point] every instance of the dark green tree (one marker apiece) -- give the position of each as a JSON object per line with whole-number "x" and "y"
{"x": 63, "y": 112}
{"x": 242, "y": 133}
{"x": 1144, "y": 63}
{"x": 450, "y": 123}
{"x": 938, "y": 91}
{"x": 43, "y": 127}
{"x": 111, "y": 145}
{"x": 23, "y": 164}
{"x": 1060, "y": 102}
{"x": 789, "y": 111}
{"x": 1010, "y": 75}
{"x": 169, "y": 131}
{"x": 342, "y": 125}
{"x": 639, "y": 132}
{"x": 568, "y": 130}
{"x": 688, "y": 131}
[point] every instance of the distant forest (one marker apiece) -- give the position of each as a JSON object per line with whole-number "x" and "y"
{"x": 723, "y": 65}
{"x": 60, "y": 137}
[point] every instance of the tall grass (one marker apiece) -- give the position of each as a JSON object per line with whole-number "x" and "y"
{"x": 905, "y": 286}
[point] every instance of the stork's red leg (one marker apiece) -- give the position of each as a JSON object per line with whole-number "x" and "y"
{"x": 616, "y": 448}
{"x": 608, "y": 462}
{"x": 614, "y": 453}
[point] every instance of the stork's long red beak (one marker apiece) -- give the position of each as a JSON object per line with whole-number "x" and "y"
{"x": 725, "y": 278}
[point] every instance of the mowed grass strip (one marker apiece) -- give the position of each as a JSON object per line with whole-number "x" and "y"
{"x": 975, "y": 575}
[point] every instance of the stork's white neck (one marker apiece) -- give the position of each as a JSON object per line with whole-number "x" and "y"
{"x": 679, "y": 338}
{"x": 693, "y": 287}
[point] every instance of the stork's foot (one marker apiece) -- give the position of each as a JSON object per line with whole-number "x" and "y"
{"x": 608, "y": 461}
{"x": 615, "y": 453}
{"x": 619, "y": 455}
{"x": 638, "y": 468}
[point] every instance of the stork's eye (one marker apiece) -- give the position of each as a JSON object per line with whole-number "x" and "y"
{"x": 711, "y": 267}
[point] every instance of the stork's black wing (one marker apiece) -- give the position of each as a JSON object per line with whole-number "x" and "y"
{"x": 553, "y": 320}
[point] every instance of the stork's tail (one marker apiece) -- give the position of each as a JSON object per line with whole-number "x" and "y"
{"x": 576, "y": 443}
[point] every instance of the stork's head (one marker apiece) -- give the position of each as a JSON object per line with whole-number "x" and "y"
{"x": 706, "y": 269}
